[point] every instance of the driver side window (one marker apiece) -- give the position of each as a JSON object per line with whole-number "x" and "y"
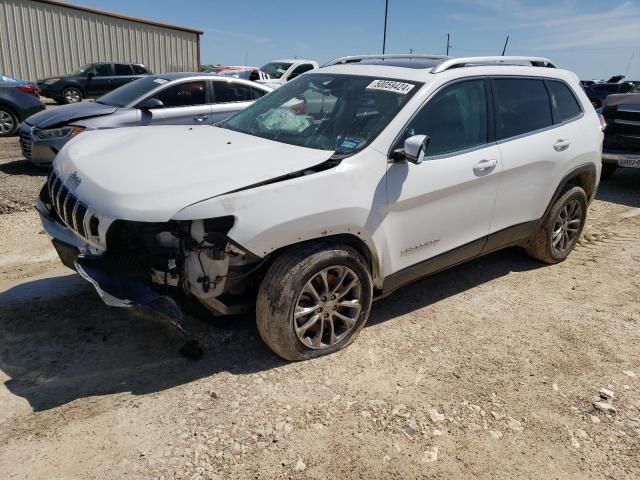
{"x": 455, "y": 118}
{"x": 100, "y": 70}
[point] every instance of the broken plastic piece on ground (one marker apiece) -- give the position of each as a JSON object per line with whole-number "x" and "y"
{"x": 117, "y": 289}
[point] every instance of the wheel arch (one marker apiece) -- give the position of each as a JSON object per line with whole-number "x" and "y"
{"x": 584, "y": 176}
{"x": 352, "y": 240}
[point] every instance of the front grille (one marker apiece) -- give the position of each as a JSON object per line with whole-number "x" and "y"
{"x": 67, "y": 206}
{"x": 25, "y": 144}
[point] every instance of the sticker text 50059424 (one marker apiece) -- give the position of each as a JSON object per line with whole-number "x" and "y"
{"x": 391, "y": 86}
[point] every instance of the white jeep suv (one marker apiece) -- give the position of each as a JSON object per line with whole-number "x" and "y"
{"x": 334, "y": 190}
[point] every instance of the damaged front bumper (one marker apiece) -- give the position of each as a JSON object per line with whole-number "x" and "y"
{"x": 193, "y": 268}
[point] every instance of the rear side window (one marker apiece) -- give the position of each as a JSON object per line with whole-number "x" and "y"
{"x": 522, "y": 106}
{"x": 138, "y": 70}
{"x": 183, "y": 94}
{"x": 123, "y": 69}
{"x": 455, "y": 119}
{"x": 564, "y": 101}
{"x": 226, "y": 92}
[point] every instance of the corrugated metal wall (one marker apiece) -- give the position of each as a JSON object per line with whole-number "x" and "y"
{"x": 39, "y": 40}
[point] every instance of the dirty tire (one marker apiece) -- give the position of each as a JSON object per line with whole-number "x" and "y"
{"x": 282, "y": 286}
{"x": 8, "y": 122}
{"x": 608, "y": 169}
{"x": 71, "y": 95}
{"x": 541, "y": 245}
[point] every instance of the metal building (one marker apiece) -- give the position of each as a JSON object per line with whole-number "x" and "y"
{"x": 41, "y": 38}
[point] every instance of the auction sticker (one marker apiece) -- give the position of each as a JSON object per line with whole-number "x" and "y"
{"x": 391, "y": 86}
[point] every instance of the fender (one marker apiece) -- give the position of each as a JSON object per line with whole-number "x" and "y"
{"x": 566, "y": 180}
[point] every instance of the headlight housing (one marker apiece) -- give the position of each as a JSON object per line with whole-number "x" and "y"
{"x": 51, "y": 81}
{"x": 47, "y": 134}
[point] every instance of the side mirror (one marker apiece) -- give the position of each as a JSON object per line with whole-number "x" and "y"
{"x": 414, "y": 149}
{"x": 90, "y": 75}
{"x": 150, "y": 104}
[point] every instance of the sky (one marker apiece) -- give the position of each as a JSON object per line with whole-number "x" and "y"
{"x": 594, "y": 38}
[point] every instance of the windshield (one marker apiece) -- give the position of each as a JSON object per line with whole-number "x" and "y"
{"x": 343, "y": 113}
{"x": 276, "y": 69}
{"x": 130, "y": 92}
{"x": 83, "y": 69}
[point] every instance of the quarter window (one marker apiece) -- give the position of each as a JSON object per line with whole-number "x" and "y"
{"x": 564, "y": 101}
{"x": 522, "y": 106}
{"x": 226, "y": 92}
{"x": 183, "y": 94}
{"x": 455, "y": 119}
{"x": 139, "y": 70}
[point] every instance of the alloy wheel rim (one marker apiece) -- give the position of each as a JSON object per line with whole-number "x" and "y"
{"x": 328, "y": 307}
{"x": 7, "y": 123}
{"x": 72, "y": 96}
{"x": 566, "y": 227}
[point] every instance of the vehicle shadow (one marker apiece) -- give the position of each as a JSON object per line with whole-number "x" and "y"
{"x": 451, "y": 282}
{"x": 57, "y": 351}
{"x": 22, "y": 167}
{"x": 622, "y": 188}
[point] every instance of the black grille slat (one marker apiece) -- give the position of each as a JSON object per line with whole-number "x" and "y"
{"x": 79, "y": 215}
{"x": 67, "y": 206}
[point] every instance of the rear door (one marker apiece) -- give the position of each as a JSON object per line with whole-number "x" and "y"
{"x": 446, "y": 201}
{"x": 536, "y": 143}
{"x": 123, "y": 73}
{"x": 185, "y": 103}
{"x": 230, "y": 96}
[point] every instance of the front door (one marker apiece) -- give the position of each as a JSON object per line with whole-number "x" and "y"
{"x": 185, "y": 103}
{"x": 447, "y": 201}
{"x": 99, "y": 79}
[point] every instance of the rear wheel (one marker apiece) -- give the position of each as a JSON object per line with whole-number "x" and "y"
{"x": 314, "y": 301}
{"x": 562, "y": 227}
{"x": 608, "y": 169}
{"x": 8, "y": 122}
{"x": 71, "y": 95}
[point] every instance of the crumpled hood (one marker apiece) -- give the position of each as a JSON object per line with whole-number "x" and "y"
{"x": 64, "y": 114}
{"x": 150, "y": 173}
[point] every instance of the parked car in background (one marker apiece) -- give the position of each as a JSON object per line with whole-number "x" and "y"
{"x": 248, "y": 73}
{"x": 16, "y": 104}
{"x": 91, "y": 81}
{"x": 167, "y": 99}
{"x": 587, "y": 83}
{"x": 24, "y": 85}
{"x": 282, "y": 71}
{"x": 598, "y": 92}
{"x": 337, "y": 188}
{"x": 621, "y": 146}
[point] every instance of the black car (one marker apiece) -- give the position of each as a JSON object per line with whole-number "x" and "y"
{"x": 621, "y": 147}
{"x": 598, "y": 92}
{"x": 91, "y": 81}
{"x": 16, "y": 104}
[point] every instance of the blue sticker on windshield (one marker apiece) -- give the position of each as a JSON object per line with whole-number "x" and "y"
{"x": 349, "y": 143}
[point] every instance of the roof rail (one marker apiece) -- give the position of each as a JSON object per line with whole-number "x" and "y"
{"x": 359, "y": 58}
{"x": 463, "y": 62}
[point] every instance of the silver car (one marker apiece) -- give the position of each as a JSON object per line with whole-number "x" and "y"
{"x": 166, "y": 99}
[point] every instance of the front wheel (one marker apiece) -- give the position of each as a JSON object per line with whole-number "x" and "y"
{"x": 8, "y": 122}
{"x": 561, "y": 228}
{"x": 71, "y": 95}
{"x": 313, "y": 301}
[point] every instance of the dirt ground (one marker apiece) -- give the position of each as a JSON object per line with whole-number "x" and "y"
{"x": 488, "y": 370}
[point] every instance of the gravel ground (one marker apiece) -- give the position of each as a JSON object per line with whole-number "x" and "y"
{"x": 493, "y": 369}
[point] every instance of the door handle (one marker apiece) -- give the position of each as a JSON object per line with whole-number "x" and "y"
{"x": 485, "y": 166}
{"x": 200, "y": 118}
{"x": 561, "y": 145}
